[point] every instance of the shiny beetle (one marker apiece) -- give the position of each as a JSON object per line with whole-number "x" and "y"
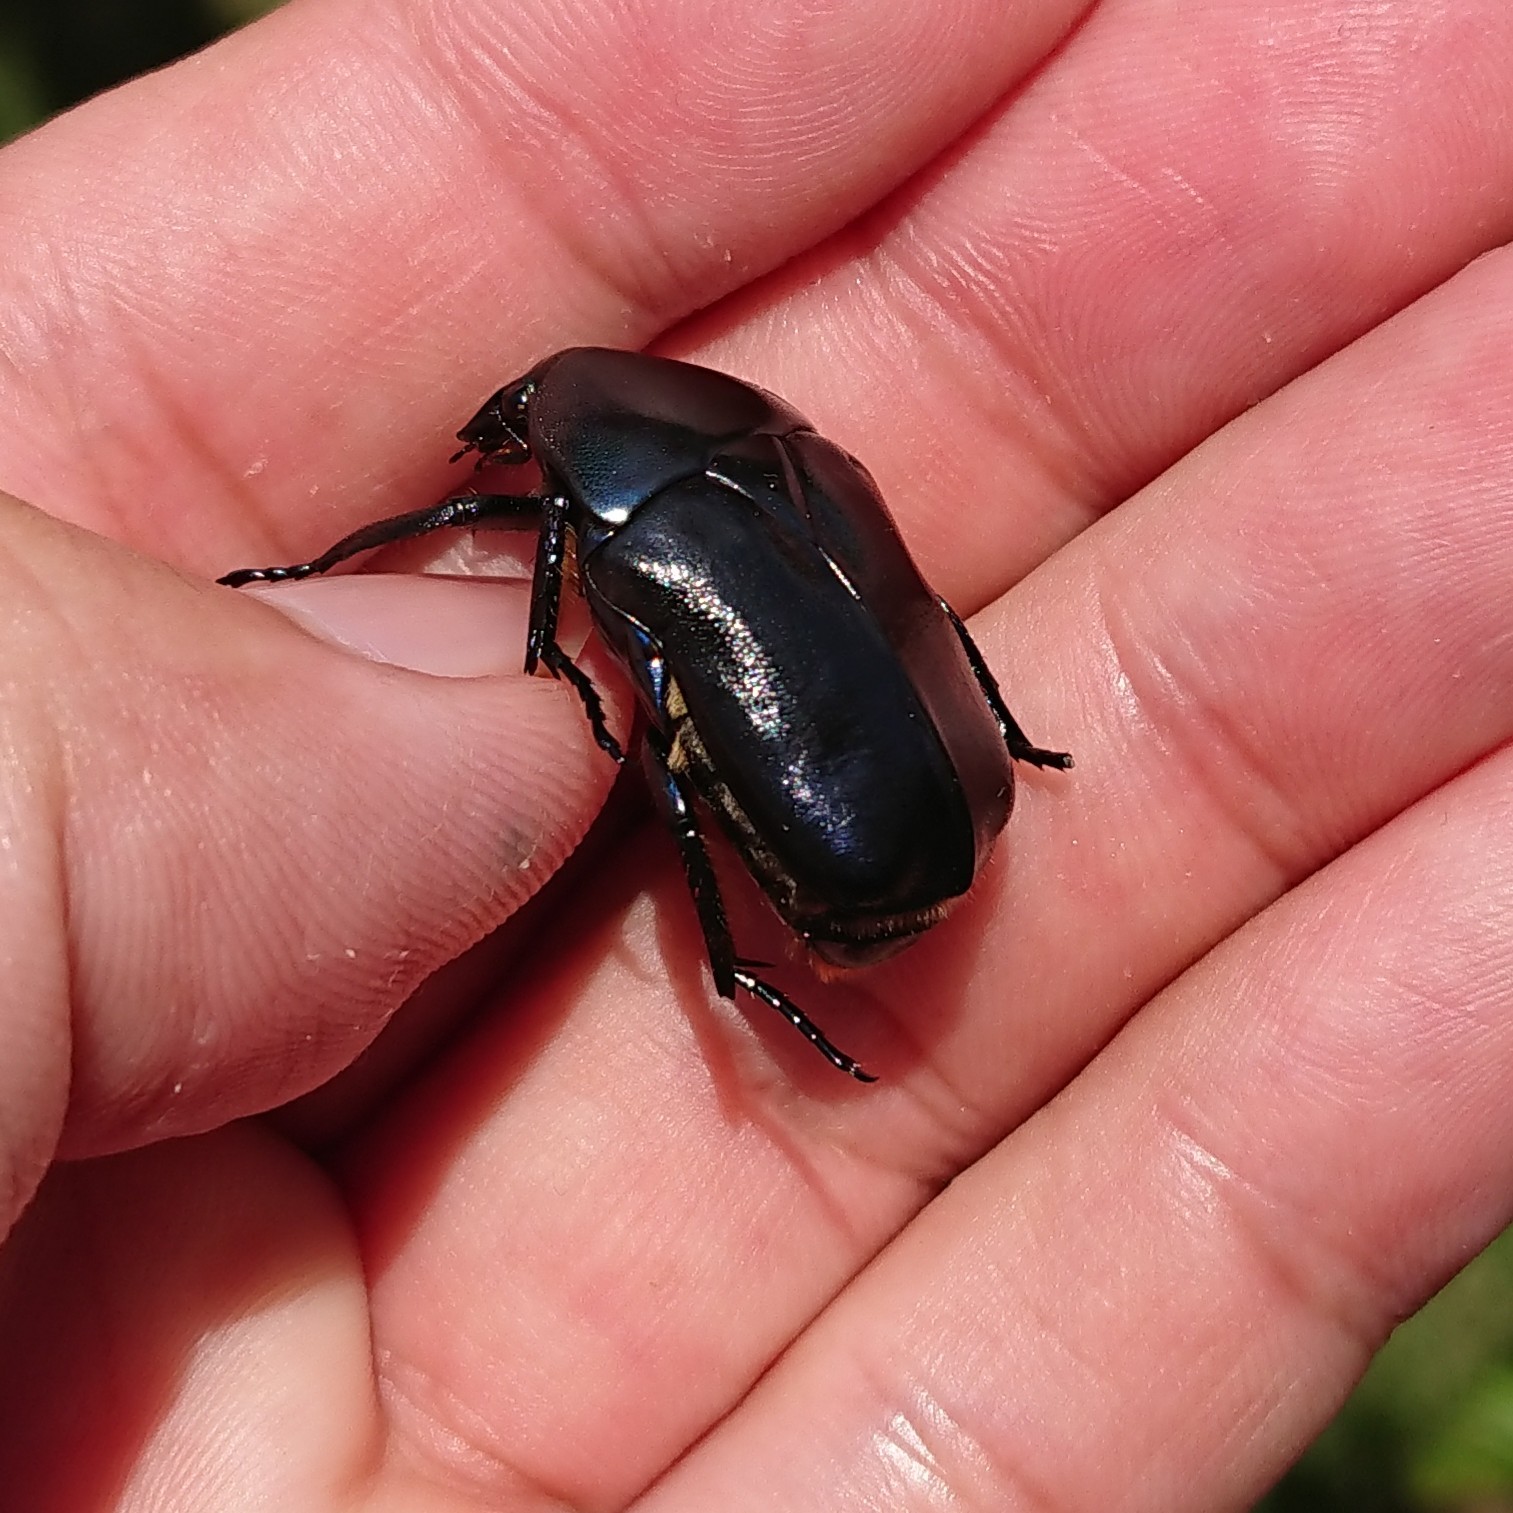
{"x": 796, "y": 674}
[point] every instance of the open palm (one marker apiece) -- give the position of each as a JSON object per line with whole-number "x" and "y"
{"x": 1217, "y": 1060}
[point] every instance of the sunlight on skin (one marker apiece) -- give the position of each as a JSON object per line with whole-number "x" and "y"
{"x": 1022, "y": 262}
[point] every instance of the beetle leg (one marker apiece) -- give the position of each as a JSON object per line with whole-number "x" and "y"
{"x": 1020, "y": 746}
{"x": 560, "y": 665}
{"x": 546, "y": 585}
{"x": 459, "y": 510}
{"x": 673, "y": 794}
{"x": 546, "y": 600}
{"x": 802, "y": 1023}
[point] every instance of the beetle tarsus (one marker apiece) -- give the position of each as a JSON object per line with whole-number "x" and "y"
{"x": 454, "y": 512}
{"x": 560, "y": 665}
{"x": 1038, "y": 756}
{"x": 245, "y": 575}
{"x": 801, "y": 1022}
{"x": 1021, "y": 748}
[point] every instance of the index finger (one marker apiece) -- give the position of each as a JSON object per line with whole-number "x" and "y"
{"x": 240, "y": 292}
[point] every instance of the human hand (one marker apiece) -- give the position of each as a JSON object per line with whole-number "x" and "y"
{"x": 1215, "y": 1060}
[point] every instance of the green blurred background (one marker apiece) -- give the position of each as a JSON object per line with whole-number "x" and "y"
{"x": 1430, "y": 1429}
{"x": 55, "y": 52}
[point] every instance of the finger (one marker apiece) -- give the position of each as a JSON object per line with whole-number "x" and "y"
{"x": 230, "y": 849}
{"x": 1152, "y": 1295}
{"x": 186, "y": 1327}
{"x": 1285, "y": 643}
{"x": 1185, "y": 210}
{"x": 1239, "y": 661}
{"x": 247, "y": 289}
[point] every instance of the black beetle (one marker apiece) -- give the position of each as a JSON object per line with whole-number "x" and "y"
{"x": 796, "y": 673}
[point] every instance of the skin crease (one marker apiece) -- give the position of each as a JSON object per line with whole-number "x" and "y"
{"x": 1167, "y": 332}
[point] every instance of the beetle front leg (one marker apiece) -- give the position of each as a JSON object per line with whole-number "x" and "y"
{"x": 507, "y": 510}
{"x": 1021, "y": 748}
{"x": 673, "y": 795}
{"x": 560, "y": 665}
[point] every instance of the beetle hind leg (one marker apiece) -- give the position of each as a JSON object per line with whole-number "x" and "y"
{"x": 801, "y": 1022}
{"x": 673, "y": 794}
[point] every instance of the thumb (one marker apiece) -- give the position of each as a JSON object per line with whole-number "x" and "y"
{"x": 230, "y": 848}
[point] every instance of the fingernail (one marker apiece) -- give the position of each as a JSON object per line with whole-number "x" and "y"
{"x": 448, "y": 627}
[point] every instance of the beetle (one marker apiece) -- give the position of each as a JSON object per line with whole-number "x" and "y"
{"x": 797, "y": 678}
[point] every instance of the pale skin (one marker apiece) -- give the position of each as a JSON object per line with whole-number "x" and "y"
{"x": 1218, "y": 1057}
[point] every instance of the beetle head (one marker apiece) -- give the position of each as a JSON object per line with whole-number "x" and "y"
{"x": 498, "y": 431}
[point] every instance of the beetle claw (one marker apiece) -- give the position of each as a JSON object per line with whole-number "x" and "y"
{"x": 1038, "y": 757}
